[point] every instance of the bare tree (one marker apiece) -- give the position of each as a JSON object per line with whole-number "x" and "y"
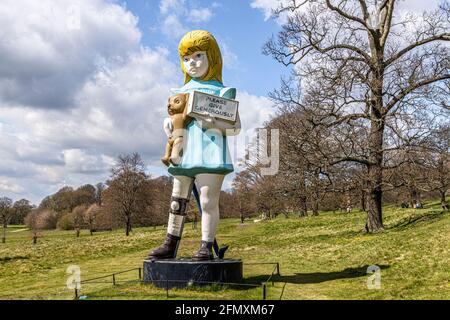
{"x": 90, "y": 216}
{"x": 99, "y": 187}
{"x": 5, "y": 214}
{"x": 126, "y": 186}
{"x": 243, "y": 190}
{"x": 78, "y": 215}
{"x": 437, "y": 162}
{"x": 365, "y": 70}
{"x": 33, "y": 223}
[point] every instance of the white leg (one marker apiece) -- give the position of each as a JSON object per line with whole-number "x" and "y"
{"x": 209, "y": 186}
{"x": 182, "y": 187}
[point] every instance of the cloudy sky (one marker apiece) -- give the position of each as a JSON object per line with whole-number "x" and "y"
{"x": 82, "y": 81}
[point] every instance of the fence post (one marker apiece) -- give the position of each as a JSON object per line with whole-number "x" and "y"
{"x": 114, "y": 279}
{"x": 167, "y": 288}
{"x": 278, "y": 268}
{"x": 264, "y": 291}
{"x": 76, "y": 293}
{"x": 140, "y": 274}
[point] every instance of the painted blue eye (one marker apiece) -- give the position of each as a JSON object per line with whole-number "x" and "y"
{"x": 199, "y": 55}
{"x": 185, "y": 59}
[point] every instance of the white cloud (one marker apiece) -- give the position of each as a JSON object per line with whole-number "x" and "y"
{"x": 417, "y": 5}
{"x": 177, "y": 14}
{"x": 253, "y": 110}
{"x": 199, "y": 15}
{"x": 52, "y": 56}
{"x": 266, "y": 6}
{"x": 230, "y": 59}
{"x": 6, "y": 185}
{"x": 172, "y": 26}
{"x": 78, "y": 161}
{"x": 171, "y": 6}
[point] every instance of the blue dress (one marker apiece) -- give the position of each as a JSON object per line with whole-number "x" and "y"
{"x": 205, "y": 151}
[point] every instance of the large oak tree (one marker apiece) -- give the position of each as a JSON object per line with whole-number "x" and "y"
{"x": 364, "y": 69}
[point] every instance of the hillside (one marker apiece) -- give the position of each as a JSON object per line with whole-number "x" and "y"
{"x": 324, "y": 257}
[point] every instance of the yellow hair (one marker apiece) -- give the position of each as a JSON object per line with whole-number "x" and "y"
{"x": 201, "y": 40}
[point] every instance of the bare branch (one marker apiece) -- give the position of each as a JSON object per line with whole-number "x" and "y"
{"x": 439, "y": 37}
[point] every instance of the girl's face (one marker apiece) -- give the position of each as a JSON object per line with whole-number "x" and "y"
{"x": 196, "y": 64}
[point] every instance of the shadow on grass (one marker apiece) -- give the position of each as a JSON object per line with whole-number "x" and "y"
{"x": 315, "y": 277}
{"x": 347, "y": 234}
{"x": 10, "y": 259}
{"x": 417, "y": 218}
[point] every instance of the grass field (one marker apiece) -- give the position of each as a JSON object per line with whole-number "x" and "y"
{"x": 324, "y": 257}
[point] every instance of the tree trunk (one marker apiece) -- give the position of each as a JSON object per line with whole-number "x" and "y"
{"x": 4, "y": 234}
{"x": 444, "y": 203}
{"x": 413, "y": 197}
{"x": 315, "y": 208}
{"x": 363, "y": 200}
{"x": 194, "y": 224}
{"x": 303, "y": 209}
{"x": 374, "y": 214}
{"x": 34, "y": 238}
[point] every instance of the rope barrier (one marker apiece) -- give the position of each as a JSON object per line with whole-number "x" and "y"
{"x": 167, "y": 281}
{"x": 276, "y": 270}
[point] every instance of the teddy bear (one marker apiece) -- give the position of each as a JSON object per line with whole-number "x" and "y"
{"x": 177, "y": 109}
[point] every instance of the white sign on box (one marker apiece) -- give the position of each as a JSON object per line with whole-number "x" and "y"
{"x": 207, "y": 105}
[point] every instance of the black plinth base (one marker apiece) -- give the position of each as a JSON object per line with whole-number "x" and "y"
{"x": 182, "y": 273}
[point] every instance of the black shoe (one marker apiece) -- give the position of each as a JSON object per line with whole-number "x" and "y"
{"x": 205, "y": 252}
{"x": 167, "y": 249}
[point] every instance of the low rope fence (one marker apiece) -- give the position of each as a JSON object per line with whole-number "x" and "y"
{"x": 114, "y": 281}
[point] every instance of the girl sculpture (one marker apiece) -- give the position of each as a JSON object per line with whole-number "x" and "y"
{"x": 206, "y": 158}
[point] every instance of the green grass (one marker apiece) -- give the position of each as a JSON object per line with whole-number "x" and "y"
{"x": 324, "y": 257}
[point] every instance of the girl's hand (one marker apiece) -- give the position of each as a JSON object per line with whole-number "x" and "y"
{"x": 168, "y": 127}
{"x": 210, "y": 120}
